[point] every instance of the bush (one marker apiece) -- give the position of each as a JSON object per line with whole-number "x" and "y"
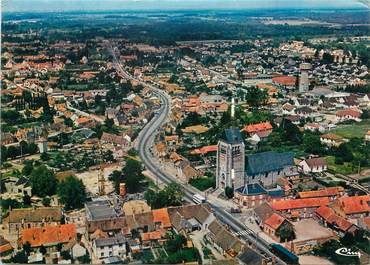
{"x": 229, "y": 192}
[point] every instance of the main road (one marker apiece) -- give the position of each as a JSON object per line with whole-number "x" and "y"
{"x": 145, "y": 142}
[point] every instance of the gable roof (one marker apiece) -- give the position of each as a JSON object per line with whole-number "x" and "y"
{"x": 275, "y": 221}
{"x": 161, "y": 215}
{"x": 355, "y": 204}
{"x": 268, "y": 161}
{"x": 263, "y": 211}
{"x": 299, "y": 203}
{"x": 316, "y": 162}
{"x": 330, "y": 217}
{"x": 331, "y": 191}
{"x": 49, "y": 235}
{"x": 53, "y": 214}
{"x": 262, "y": 126}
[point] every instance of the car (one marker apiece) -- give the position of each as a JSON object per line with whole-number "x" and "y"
{"x": 235, "y": 210}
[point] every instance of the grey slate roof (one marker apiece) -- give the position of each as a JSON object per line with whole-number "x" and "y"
{"x": 110, "y": 241}
{"x": 98, "y": 210}
{"x": 268, "y": 161}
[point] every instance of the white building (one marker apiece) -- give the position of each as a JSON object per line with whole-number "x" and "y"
{"x": 109, "y": 247}
{"x": 314, "y": 165}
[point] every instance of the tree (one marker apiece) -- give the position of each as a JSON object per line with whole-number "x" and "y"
{"x": 4, "y": 153}
{"x": 27, "y": 248}
{"x": 171, "y": 195}
{"x": 13, "y": 152}
{"x": 27, "y": 200}
{"x": 44, "y": 156}
{"x": 109, "y": 123}
{"x": 229, "y": 192}
{"x": 46, "y": 201}
{"x": 312, "y": 144}
{"x": 32, "y": 148}
{"x": 286, "y": 232}
{"x": 43, "y": 181}
{"x": 20, "y": 258}
{"x": 176, "y": 243}
{"x": 72, "y": 193}
{"x": 43, "y": 250}
{"x": 116, "y": 178}
{"x": 256, "y": 97}
{"x": 290, "y": 132}
{"x": 345, "y": 152}
{"x": 132, "y": 175}
{"x": 85, "y": 259}
{"x": 28, "y": 167}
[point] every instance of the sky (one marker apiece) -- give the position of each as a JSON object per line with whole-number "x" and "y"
{"x": 90, "y": 5}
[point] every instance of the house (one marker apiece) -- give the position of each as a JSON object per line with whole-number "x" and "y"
{"x": 116, "y": 140}
{"x": 299, "y": 208}
{"x": 49, "y": 236}
{"x": 353, "y": 207}
{"x": 339, "y": 224}
{"x": 348, "y": 115}
{"x": 109, "y": 247}
{"x": 331, "y": 140}
{"x": 313, "y": 165}
{"x": 17, "y": 186}
{"x": 223, "y": 240}
{"x": 188, "y": 218}
{"x": 262, "y": 212}
{"x": 27, "y": 218}
{"x": 304, "y": 112}
{"x": 262, "y": 129}
{"x": 5, "y": 247}
{"x": 196, "y": 129}
{"x": 287, "y": 82}
{"x": 332, "y": 193}
{"x": 272, "y": 225}
{"x": 268, "y": 167}
{"x": 314, "y": 127}
{"x": 204, "y": 150}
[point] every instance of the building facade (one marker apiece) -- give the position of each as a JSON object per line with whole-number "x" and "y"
{"x": 230, "y": 171}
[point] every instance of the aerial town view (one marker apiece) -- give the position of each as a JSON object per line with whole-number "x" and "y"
{"x": 185, "y": 132}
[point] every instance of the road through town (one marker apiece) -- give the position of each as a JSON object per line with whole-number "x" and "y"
{"x": 145, "y": 142}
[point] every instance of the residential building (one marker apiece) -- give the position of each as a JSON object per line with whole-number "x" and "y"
{"x": 49, "y": 236}
{"x": 27, "y": 218}
{"x": 328, "y": 217}
{"x": 332, "y": 193}
{"x": 272, "y": 225}
{"x": 299, "y": 208}
{"x": 109, "y": 247}
{"x": 352, "y": 207}
{"x": 313, "y": 165}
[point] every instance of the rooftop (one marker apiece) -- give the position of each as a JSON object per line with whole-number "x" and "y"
{"x": 100, "y": 209}
{"x": 268, "y": 161}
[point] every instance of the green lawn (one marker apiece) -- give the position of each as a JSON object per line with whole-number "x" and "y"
{"x": 357, "y": 129}
{"x": 344, "y": 169}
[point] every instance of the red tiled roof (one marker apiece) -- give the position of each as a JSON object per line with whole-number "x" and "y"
{"x": 355, "y": 204}
{"x": 348, "y": 112}
{"x": 299, "y": 203}
{"x": 284, "y": 80}
{"x": 204, "y": 150}
{"x": 155, "y": 235}
{"x": 329, "y": 216}
{"x": 258, "y": 127}
{"x": 275, "y": 221}
{"x": 332, "y": 191}
{"x": 49, "y": 235}
{"x": 162, "y": 216}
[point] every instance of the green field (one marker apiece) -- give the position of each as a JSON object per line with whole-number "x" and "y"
{"x": 344, "y": 169}
{"x": 358, "y": 129}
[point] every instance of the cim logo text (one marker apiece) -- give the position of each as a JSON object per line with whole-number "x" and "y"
{"x": 348, "y": 252}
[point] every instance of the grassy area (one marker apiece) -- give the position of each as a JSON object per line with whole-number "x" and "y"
{"x": 147, "y": 256}
{"x": 344, "y": 169}
{"x": 353, "y": 130}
